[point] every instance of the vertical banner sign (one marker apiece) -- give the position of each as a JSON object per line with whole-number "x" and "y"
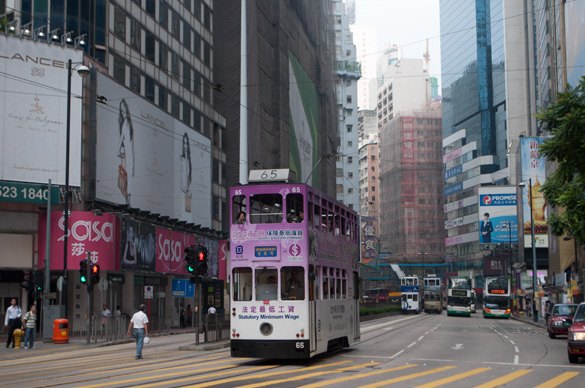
{"x": 497, "y": 212}
{"x": 533, "y": 167}
{"x": 369, "y": 246}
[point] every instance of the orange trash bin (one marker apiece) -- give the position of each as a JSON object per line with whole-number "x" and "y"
{"x": 61, "y": 331}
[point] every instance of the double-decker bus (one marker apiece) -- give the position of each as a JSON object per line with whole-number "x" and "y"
{"x": 411, "y": 294}
{"x": 459, "y": 296}
{"x": 473, "y": 301}
{"x": 432, "y": 294}
{"x": 496, "y": 297}
{"x": 376, "y": 295}
{"x": 294, "y": 285}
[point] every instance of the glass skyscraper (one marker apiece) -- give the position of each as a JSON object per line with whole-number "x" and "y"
{"x": 474, "y": 115}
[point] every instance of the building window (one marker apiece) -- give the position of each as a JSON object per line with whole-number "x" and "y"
{"x": 373, "y": 169}
{"x": 373, "y": 188}
{"x": 349, "y": 112}
{"x": 339, "y": 172}
{"x": 151, "y": 7}
{"x": 349, "y": 159}
{"x": 135, "y": 35}
{"x": 162, "y": 98}
{"x": 350, "y": 174}
{"x": 149, "y": 44}
{"x": 119, "y": 70}
{"x": 135, "y": 79}
{"x": 215, "y": 171}
{"x": 347, "y": 53}
{"x": 349, "y": 99}
{"x": 350, "y": 190}
{"x": 120, "y": 23}
{"x": 349, "y": 128}
{"x": 339, "y": 189}
{"x": 373, "y": 197}
{"x": 149, "y": 88}
{"x": 215, "y": 206}
{"x": 373, "y": 157}
{"x": 350, "y": 143}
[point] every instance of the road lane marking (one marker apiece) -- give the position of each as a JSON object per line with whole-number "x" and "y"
{"x": 432, "y": 359}
{"x": 396, "y": 355}
{"x": 453, "y": 378}
{"x": 411, "y": 345}
{"x": 199, "y": 377}
{"x": 512, "y": 342}
{"x": 420, "y": 338}
{"x": 381, "y": 383}
{"x": 516, "y": 349}
{"x": 505, "y": 379}
{"x": 516, "y": 359}
{"x": 427, "y": 332}
{"x": 560, "y": 379}
{"x": 389, "y": 328}
{"x": 307, "y": 376}
{"x": 374, "y": 327}
{"x": 534, "y": 365}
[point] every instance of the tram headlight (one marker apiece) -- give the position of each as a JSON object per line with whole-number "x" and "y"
{"x": 266, "y": 329}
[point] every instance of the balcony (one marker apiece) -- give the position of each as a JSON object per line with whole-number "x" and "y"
{"x": 349, "y": 69}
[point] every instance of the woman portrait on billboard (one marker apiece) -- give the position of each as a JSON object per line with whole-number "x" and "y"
{"x": 125, "y": 150}
{"x": 186, "y": 170}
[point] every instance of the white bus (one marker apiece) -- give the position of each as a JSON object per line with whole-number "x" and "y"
{"x": 496, "y": 297}
{"x": 459, "y": 296}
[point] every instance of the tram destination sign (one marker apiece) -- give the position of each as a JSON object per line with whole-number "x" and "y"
{"x": 28, "y": 193}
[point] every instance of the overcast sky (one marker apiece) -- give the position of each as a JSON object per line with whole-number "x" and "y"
{"x": 407, "y": 23}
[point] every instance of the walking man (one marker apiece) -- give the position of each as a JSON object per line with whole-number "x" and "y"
{"x": 12, "y": 320}
{"x": 139, "y": 322}
{"x": 30, "y": 323}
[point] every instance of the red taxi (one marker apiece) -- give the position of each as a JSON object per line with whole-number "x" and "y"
{"x": 576, "y": 334}
{"x": 556, "y": 320}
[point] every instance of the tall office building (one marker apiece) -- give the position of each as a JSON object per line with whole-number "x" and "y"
{"x": 487, "y": 89}
{"x": 365, "y": 37}
{"x": 348, "y": 73}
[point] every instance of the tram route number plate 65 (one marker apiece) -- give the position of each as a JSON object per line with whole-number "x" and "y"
{"x": 300, "y": 346}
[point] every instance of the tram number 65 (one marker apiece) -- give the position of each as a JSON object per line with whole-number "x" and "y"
{"x": 300, "y": 345}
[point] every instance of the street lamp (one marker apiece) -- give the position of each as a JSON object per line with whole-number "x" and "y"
{"x": 534, "y": 274}
{"x": 83, "y": 71}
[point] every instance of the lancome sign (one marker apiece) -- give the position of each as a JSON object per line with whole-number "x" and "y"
{"x": 33, "y": 112}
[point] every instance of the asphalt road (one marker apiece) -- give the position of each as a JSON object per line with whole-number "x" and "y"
{"x": 401, "y": 351}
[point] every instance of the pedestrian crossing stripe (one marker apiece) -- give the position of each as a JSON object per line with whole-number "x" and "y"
{"x": 456, "y": 377}
{"x": 555, "y": 382}
{"x": 505, "y": 379}
{"x": 378, "y": 372}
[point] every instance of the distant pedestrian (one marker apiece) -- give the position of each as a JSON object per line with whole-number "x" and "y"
{"x": 29, "y": 321}
{"x": 12, "y": 320}
{"x": 118, "y": 311}
{"x": 105, "y": 314}
{"x": 139, "y": 322}
{"x": 181, "y": 317}
{"x": 211, "y": 310}
{"x": 189, "y": 316}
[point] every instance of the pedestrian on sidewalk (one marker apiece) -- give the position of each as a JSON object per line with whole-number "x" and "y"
{"x": 12, "y": 320}
{"x": 139, "y": 322}
{"x": 181, "y": 316}
{"x": 30, "y": 323}
{"x": 105, "y": 314}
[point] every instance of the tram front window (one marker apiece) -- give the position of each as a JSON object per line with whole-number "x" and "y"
{"x": 266, "y": 283}
{"x": 242, "y": 284}
{"x": 293, "y": 283}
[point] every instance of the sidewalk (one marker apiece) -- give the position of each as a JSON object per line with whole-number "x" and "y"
{"x": 530, "y": 320}
{"x": 76, "y": 343}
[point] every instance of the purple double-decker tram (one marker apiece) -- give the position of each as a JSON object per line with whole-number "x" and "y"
{"x": 294, "y": 284}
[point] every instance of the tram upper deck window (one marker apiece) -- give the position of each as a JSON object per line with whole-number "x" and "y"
{"x": 266, "y": 283}
{"x": 292, "y": 283}
{"x": 242, "y": 283}
{"x": 295, "y": 213}
{"x": 266, "y": 209}
{"x": 239, "y": 209}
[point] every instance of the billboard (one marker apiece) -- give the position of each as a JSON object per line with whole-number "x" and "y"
{"x": 148, "y": 160}
{"x": 87, "y": 233}
{"x": 497, "y": 215}
{"x": 369, "y": 241}
{"x": 304, "y": 121}
{"x": 33, "y": 107}
{"x": 533, "y": 168}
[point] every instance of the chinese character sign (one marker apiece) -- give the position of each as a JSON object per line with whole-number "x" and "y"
{"x": 369, "y": 246}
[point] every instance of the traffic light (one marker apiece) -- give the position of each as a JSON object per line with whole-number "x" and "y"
{"x": 39, "y": 280}
{"x": 202, "y": 255}
{"x": 83, "y": 271}
{"x": 95, "y": 274}
{"x": 190, "y": 258}
{"x": 28, "y": 280}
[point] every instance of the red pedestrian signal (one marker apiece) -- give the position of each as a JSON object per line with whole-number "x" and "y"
{"x": 95, "y": 274}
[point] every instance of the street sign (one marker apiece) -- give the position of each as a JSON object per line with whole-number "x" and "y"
{"x": 28, "y": 193}
{"x": 182, "y": 288}
{"x": 103, "y": 284}
{"x": 148, "y": 292}
{"x": 116, "y": 278}
{"x": 50, "y": 295}
{"x": 160, "y": 295}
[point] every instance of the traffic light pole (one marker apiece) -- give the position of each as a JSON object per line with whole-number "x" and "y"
{"x": 89, "y": 297}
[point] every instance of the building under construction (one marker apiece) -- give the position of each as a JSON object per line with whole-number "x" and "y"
{"x": 411, "y": 187}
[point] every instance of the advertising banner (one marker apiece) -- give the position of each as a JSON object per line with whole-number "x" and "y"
{"x": 170, "y": 250}
{"x": 33, "y": 107}
{"x": 497, "y": 215}
{"x": 533, "y": 168}
{"x": 369, "y": 246}
{"x": 149, "y": 160}
{"x": 304, "y": 120}
{"x": 87, "y": 233}
{"x": 137, "y": 249}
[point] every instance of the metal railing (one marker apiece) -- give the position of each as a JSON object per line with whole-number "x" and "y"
{"x": 216, "y": 327}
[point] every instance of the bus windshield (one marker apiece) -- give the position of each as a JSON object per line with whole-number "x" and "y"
{"x": 497, "y": 302}
{"x": 458, "y": 301}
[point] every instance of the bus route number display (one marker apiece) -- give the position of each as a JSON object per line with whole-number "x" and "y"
{"x": 458, "y": 293}
{"x": 497, "y": 291}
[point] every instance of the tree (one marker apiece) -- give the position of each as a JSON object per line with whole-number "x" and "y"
{"x": 564, "y": 190}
